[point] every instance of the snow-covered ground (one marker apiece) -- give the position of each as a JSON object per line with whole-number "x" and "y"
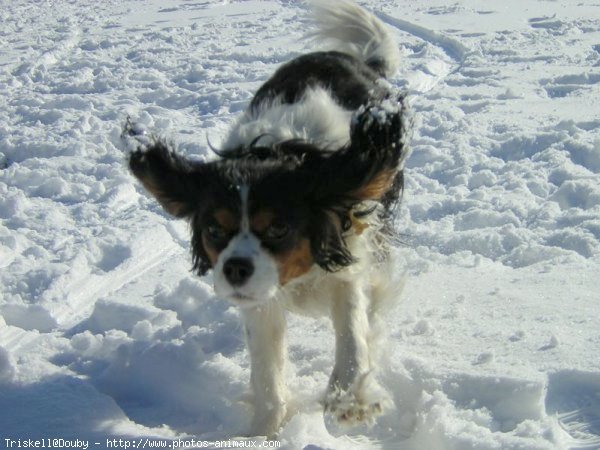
{"x": 104, "y": 332}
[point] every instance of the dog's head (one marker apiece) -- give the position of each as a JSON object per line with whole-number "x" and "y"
{"x": 263, "y": 216}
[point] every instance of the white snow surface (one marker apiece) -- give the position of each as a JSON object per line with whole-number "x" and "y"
{"x": 105, "y": 332}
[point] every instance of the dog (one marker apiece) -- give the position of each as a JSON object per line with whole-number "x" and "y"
{"x": 296, "y": 212}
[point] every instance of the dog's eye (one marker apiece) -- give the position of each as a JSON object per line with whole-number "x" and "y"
{"x": 277, "y": 231}
{"x": 215, "y": 233}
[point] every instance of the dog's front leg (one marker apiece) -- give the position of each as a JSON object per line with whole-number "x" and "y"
{"x": 353, "y": 395}
{"x": 265, "y": 335}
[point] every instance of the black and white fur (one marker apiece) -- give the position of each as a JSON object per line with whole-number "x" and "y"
{"x": 295, "y": 213}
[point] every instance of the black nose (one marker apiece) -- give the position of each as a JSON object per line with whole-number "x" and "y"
{"x": 238, "y": 270}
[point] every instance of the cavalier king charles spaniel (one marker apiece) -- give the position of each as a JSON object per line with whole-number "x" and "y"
{"x": 296, "y": 212}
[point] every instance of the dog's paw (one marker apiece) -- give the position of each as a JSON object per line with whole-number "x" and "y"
{"x": 348, "y": 410}
{"x": 351, "y": 404}
{"x": 268, "y": 420}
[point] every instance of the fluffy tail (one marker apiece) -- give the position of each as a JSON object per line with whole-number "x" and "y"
{"x": 357, "y": 32}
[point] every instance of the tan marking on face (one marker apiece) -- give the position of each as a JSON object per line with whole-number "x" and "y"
{"x": 261, "y": 220}
{"x": 295, "y": 262}
{"x": 377, "y": 187}
{"x": 227, "y": 219}
{"x": 212, "y": 253}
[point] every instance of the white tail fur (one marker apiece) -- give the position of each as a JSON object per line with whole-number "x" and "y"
{"x": 357, "y": 32}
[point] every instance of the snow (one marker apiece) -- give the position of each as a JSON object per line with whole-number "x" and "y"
{"x": 105, "y": 333}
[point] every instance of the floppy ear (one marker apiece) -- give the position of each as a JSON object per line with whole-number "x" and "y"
{"x": 371, "y": 164}
{"x": 369, "y": 167}
{"x": 170, "y": 178}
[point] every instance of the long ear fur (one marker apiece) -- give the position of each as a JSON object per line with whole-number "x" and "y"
{"x": 370, "y": 166}
{"x": 171, "y": 179}
{"x": 328, "y": 247}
